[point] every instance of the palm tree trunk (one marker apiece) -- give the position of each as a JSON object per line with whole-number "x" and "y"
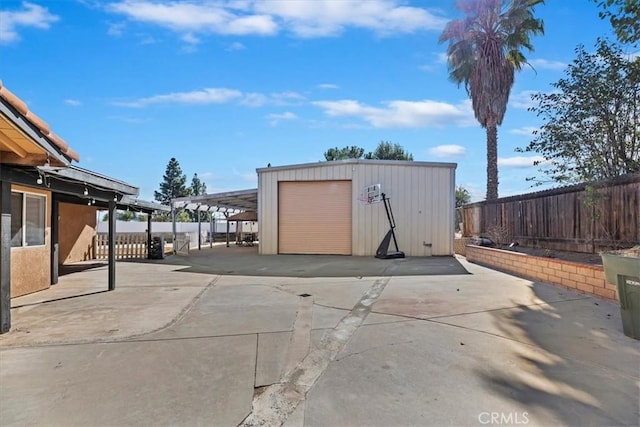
{"x": 492, "y": 162}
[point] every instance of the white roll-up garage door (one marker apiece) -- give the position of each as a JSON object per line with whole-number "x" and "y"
{"x": 314, "y": 217}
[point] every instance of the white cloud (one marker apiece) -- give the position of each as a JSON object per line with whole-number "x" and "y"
{"x": 235, "y": 46}
{"x": 194, "y": 16}
{"x": 287, "y": 98}
{"x": 328, "y": 86}
{"x": 274, "y": 119}
{"x": 116, "y": 29}
{"x": 73, "y": 102}
{"x": 201, "y": 97}
{"x": 216, "y": 96}
{"x": 254, "y": 100}
{"x": 441, "y": 57}
{"x": 545, "y": 64}
{"x": 519, "y": 161}
{"x": 317, "y": 18}
{"x": 246, "y": 176}
{"x": 526, "y": 130}
{"x": 448, "y": 150}
{"x": 190, "y": 39}
{"x": 402, "y": 114}
{"x": 321, "y": 18}
{"x": 31, "y": 15}
{"x": 523, "y": 99}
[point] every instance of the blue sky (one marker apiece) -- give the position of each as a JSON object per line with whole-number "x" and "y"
{"x": 229, "y": 86}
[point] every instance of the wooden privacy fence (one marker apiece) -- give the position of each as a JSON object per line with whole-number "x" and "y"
{"x": 582, "y": 218}
{"x": 128, "y": 245}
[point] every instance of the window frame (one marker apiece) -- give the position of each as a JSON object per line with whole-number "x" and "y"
{"x": 23, "y": 220}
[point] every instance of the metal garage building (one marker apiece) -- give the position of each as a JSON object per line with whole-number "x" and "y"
{"x": 321, "y": 208}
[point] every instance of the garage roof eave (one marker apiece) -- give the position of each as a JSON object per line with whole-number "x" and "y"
{"x": 242, "y": 200}
{"x": 359, "y": 161}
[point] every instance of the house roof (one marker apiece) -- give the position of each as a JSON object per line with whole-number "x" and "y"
{"x": 25, "y": 136}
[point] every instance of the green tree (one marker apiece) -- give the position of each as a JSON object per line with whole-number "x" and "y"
{"x": 124, "y": 216}
{"x": 171, "y": 187}
{"x": 388, "y": 151}
{"x": 462, "y": 198}
{"x": 336, "y": 153}
{"x": 624, "y": 16}
{"x": 484, "y": 52}
{"x": 198, "y": 188}
{"x": 591, "y": 120}
{"x": 173, "y": 184}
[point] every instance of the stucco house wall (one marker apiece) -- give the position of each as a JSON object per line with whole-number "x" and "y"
{"x": 31, "y": 266}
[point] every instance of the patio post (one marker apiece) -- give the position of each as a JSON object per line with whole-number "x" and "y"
{"x": 149, "y": 236}
{"x": 212, "y": 231}
{"x": 55, "y": 238}
{"x": 112, "y": 245}
{"x": 226, "y": 215}
{"x": 173, "y": 225}
{"x": 199, "y": 228}
{"x": 5, "y": 257}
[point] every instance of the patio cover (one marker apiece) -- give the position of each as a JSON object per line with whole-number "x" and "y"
{"x": 244, "y": 216}
{"x": 229, "y": 202}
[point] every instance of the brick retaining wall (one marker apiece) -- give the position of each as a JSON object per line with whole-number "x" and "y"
{"x": 585, "y": 278}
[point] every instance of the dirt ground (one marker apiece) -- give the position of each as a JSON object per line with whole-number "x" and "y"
{"x": 584, "y": 258}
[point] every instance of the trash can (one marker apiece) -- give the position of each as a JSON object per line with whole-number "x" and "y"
{"x": 156, "y": 250}
{"x": 624, "y": 271}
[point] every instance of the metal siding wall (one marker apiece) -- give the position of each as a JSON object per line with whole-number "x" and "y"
{"x": 422, "y": 199}
{"x": 422, "y": 203}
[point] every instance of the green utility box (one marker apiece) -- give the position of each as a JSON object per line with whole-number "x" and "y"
{"x": 624, "y": 271}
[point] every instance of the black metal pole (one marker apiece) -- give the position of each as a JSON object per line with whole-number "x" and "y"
{"x": 392, "y": 221}
{"x": 212, "y": 230}
{"x": 226, "y": 215}
{"x": 112, "y": 245}
{"x": 5, "y": 257}
{"x": 149, "y": 236}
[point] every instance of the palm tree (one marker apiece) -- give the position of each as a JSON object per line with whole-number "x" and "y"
{"x": 485, "y": 49}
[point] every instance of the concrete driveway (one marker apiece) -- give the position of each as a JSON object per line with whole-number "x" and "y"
{"x": 174, "y": 347}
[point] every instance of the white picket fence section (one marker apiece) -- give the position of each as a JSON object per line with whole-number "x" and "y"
{"x": 128, "y": 245}
{"x": 182, "y": 244}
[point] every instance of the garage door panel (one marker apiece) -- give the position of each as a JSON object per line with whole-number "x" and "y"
{"x": 314, "y": 217}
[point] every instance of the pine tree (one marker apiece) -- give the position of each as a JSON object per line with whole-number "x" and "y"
{"x": 173, "y": 184}
{"x": 197, "y": 186}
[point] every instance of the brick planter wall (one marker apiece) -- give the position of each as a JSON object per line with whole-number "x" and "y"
{"x": 460, "y": 245}
{"x": 588, "y": 279}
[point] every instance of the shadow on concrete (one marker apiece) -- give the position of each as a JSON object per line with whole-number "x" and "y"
{"x": 65, "y": 269}
{"x": 564, "y": 377}
{"x": 58, "y": 299}
{"x": 245, "y": 261}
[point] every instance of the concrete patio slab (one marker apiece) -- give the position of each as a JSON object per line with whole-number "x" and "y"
{"x": 423, "y": 373}
{"x": 492, "y": 344}
{"x": 245, "y": 261}
{"x": 154, "y": 382}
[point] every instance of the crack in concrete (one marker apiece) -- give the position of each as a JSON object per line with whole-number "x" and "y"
{"x": 278, "y": 401}
{"x": 346, "y": 356}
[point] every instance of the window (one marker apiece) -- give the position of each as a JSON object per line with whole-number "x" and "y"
{"x": 27, "y": 219}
